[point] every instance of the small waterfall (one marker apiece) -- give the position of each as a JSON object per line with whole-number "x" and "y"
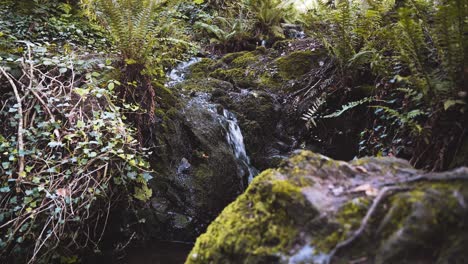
{"x": 227, "y": 119}
{"x": 236, "y": 141}
{"x": 177, "y": 75}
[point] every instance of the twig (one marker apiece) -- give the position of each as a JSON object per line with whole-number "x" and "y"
{"x": 20, "y": 124}
{"x": 457, "y": 174}
{"x": 365, "y": 221}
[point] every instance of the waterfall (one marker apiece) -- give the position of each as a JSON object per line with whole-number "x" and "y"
{"x": 177, "y": 75}
{"x": 236, "y": 141}
{"x": 226, "y": 119}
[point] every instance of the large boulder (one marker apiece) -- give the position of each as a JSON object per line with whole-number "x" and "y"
{"x": 197, "y": 172}
{"x": 311, "y": 210}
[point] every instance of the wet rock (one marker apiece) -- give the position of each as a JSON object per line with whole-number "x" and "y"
{"x": 198, "y": 173}
{"x": 294, "y": 214}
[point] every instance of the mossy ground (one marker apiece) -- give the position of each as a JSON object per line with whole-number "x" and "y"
{"x": 296, "y": 64}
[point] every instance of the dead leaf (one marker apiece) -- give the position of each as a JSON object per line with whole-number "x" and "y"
{"x": 368, "y": 189}
{"x": 361, "y": 169}
{"x": 63, "y": 192}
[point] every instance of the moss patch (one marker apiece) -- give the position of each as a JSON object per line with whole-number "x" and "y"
{"x": 240, "y": 77}
{"x": 247, "y": 59}
{"x": 201, "y": 69}
{"x": 254, "y": 229}
{"x": 296, "y": 64}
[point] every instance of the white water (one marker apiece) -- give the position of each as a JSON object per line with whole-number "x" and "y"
{"x": 178, "y": 74}
{"x": 227, "y": 119}
{"x": 236, "y": 140}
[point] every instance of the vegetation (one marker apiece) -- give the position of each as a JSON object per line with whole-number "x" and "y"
{"x": 408, "y": 60}
{"x": 85, "y": 111}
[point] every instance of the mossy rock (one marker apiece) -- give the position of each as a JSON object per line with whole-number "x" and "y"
{"x": 164, "y": 96}
{"x": 201, "y": 69}
{"x": 205, "y": 85}
{"x": 299, "y": 212}
{"x": 258, "y": 230}
{"x": 243, "y": 78}
{"x": 296, "y": 64}
{"x": 247, "y": 59}
{"x": 270, "y": 80}
{"x": 228, "y": 58}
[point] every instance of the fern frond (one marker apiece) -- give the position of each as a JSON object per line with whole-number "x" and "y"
{"x": 311, "y": 115}
{"x": 349, "y": 106}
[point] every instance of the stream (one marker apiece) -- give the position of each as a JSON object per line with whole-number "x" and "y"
{"x": 174, "y": 252}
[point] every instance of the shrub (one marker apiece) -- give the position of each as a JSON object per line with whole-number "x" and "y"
{"x": 66, "y": 158}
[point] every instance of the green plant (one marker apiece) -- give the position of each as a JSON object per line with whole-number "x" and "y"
{"x": 268, "y": 16}
{"x": 229, "y": 34}
{"x": 67, "y": 157}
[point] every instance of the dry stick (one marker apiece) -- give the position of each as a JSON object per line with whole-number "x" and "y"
{"x": 380, "y": 197}
{"x": 20, "y": 124}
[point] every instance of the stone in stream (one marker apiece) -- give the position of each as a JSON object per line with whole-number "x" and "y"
{"x": 200, "y": 160}
{"x": 294, "y": 214}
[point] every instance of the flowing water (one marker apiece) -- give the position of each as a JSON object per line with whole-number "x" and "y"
{"x": 167, "y": 252}
{"x": 226, "y": 118}
{"x": 178, "y": 74}
{"x": 236, "y": 141}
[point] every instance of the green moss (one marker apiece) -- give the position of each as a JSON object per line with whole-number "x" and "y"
{"x": 228, "y": 58}
{"x": 241, "y": 77}
{"x": 245, "y": 60}
{"x": 296, "y": 64}
{"x": 279, "y": 45}
{"x": 202, "y": 174}
{"x": 164, "y": 96}
{"x": 202, "y": 68}
{"x": 205, "y": 85}
{"x": 256, "y": 227}
{"x": 270, "y": 81}
{"x": 349, "y": 218}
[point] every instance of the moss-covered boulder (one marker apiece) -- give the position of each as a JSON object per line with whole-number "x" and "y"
{"x": 303, "y": 212}
{"x": 297, "y": 64}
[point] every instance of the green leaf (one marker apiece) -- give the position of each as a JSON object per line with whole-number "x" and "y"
{"x": 450, "y": 103}
{"x": 81, "y": 92}
{"x": 143, "y": 193}
{"x": 80, "y": 124}
{"x": 5, "y": 189}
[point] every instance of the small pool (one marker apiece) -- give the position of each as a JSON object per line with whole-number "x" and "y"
{"x": 163, "y": 252}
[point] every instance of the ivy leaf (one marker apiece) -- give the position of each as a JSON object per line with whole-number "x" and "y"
{"x": 450, "y": 103}
{"x": 5, "y": 189}
{"x": 81, "y": 92}
{"x": 143, "y": 193}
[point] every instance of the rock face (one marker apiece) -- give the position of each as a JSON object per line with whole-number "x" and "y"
{"x": 197, "y": 170}
{"x": 299, "y": 212}
{"x": 270, "y": 90}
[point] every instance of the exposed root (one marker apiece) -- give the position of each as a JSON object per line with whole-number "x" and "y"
{"x": 391, "y": 188}
{"x": 383, "y": 194}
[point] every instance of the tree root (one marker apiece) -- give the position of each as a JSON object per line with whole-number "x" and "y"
{"x": 390, "y": 188}
{"x": 384, "y": 193}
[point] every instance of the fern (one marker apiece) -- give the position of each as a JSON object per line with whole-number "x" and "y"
{"x": 451, "y": 40}
{"x": 409, "y": 39}
{"x": 269, "y": 14}
{"x": 404, "y": 119}
{"x": 225, "y": 32}
{"x": 311, "y": 115}
{"x": 348, "y": 107}
{"x": 130, "y": 23}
